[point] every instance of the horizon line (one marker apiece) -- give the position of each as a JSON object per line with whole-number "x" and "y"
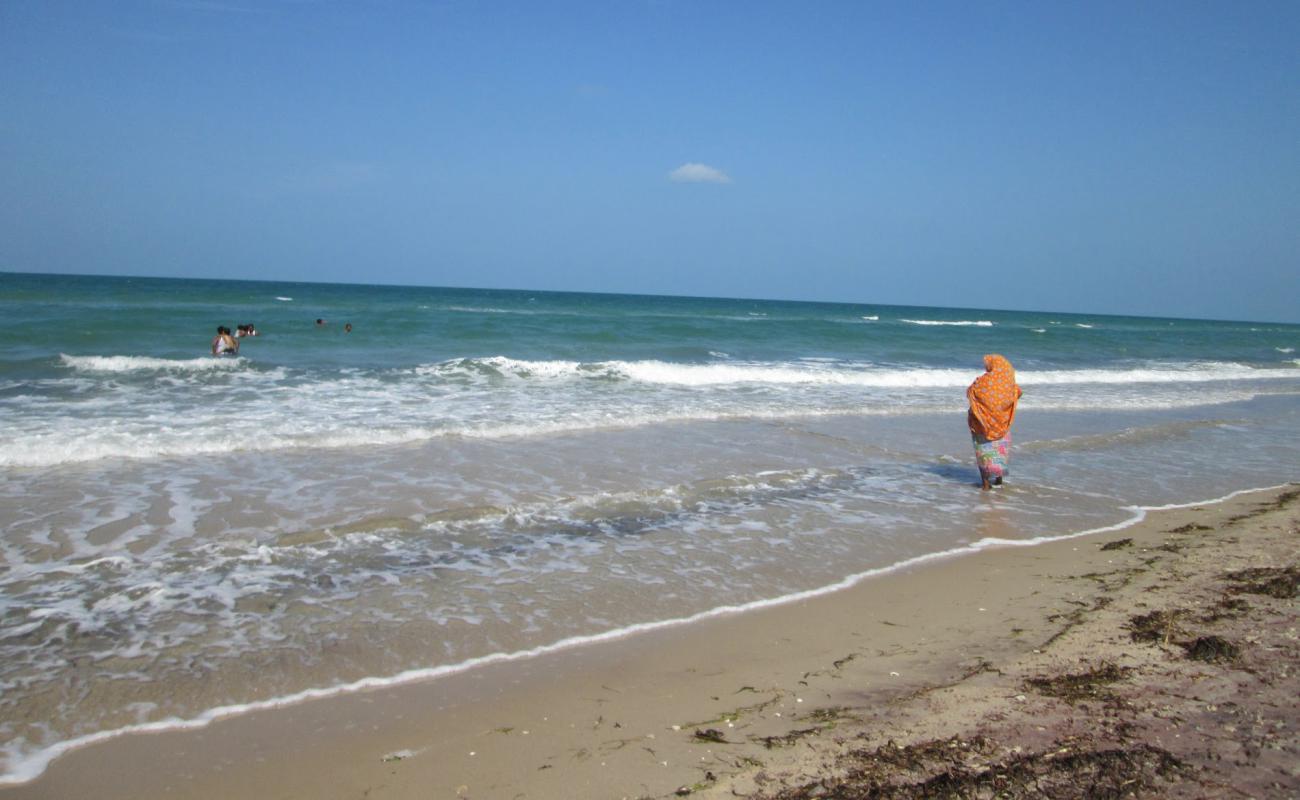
{"x": 646, "y": 294}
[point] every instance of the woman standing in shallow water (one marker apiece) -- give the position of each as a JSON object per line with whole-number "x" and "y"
{"x": 993, "y": 397}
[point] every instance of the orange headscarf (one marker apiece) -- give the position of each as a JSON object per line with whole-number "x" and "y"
{"x": 993, "y": 398}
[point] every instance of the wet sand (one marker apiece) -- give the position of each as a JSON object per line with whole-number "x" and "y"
{"x": 1160, "y": 660}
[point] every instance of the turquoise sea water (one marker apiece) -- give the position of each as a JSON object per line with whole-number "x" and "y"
{"x": 472, "y": 472}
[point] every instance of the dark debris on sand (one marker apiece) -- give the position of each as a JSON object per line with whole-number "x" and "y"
{"x": 1279, "y": 582}
{"x": 1161, "y": 628}
{"x": 955, "y": 768}
{"x": 1211, "y": 649}
{"x": 1076, "y": 687}
{"x": 1156, "y": 626}
{"x": 1226, "y": 609}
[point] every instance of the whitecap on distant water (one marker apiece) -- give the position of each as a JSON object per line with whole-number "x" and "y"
{"x": 482, "y": 310}
{"x": 872, "y": 318}
{"x": 1040, "y": 330}
{"x": 1285, "y": 349}
{"x": 1082, "y": 325}
{"x": 285, "y": 299}
{"x": 981, "y": 323}
{"x": 719, "y": 354}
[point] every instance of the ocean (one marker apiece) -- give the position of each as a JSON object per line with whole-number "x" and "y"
{"x": 472, "y": 475}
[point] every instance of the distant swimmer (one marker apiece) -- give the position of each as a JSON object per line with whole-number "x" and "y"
{"x": 223, "y": 343}
{"x": 347, "y": 328}
{"x": 245, "y": 330}
{"x": 320, "y": 323}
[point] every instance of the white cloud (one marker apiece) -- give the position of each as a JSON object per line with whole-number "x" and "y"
{"x": 698, "y": 173}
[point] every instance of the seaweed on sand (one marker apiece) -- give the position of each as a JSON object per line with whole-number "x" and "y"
{"x": 1279, "y": 582}
{"x": 1189, "y": 527}
{"x": 943, "y": 769}
{"x": 1074, "y": 688}
{"x": 1281, "y": 501}
{"x": 1226, "y": 608}
{"x": 1157, "y": 626}
{"x": 1211, "y": 649}
{"x": 736, "y": 714}
{"x": 788, "y": 739}
{"x": 824, "y": 718}
{"x": 830, "y": 715}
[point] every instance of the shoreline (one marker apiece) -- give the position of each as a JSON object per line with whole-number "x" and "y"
{"x": 41, "y": 761}
{"x": 560, "y": 675}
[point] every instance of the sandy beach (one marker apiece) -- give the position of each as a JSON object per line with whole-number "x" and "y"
{"x": 648, "y": 400}
{"x": 1156, "y": 660}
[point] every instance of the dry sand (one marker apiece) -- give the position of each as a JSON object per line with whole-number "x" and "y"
{"x": 1159, "y": 661}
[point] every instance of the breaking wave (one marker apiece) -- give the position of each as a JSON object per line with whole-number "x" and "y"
{"x": 147, "y": 363}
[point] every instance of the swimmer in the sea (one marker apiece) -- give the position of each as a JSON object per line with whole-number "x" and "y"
{"x": 223, "y": 343}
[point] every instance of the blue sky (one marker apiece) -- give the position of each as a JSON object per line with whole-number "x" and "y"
{"x": 1124, "y": 158}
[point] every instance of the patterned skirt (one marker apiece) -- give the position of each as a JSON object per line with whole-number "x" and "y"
{"x": 992, "y": 455}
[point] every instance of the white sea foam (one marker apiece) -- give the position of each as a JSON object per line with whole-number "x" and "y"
{"x": 872, "y": 318}
{"x": 83, "y": 446}
{"x": 982, "y": 323}
{"x": 142, "y": 363}
{"x": 500, "y": 397}
{"x": 1190, "y": 372}
{"x": 811, "y": 374}
{"x": 23, "y": 767}
{"x": 1082, "y": 325}
{"x": 831, "y": 373}
{"x": 504, "y": 366}
{"x": 1285, "y": 349}
{"x": 77, "y": 446}
{"x": 285, "y": 299}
